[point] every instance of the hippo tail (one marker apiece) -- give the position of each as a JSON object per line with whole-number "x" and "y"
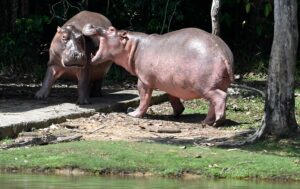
{"x": 229, "y": 69}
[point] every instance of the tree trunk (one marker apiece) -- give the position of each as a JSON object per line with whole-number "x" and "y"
{"x": 14, "y": 6}
{"x": 215, "y": 17}
{"x": 4, "y": 15}
{"x": 24, "y": 6}
{"x": 280, "y": 101}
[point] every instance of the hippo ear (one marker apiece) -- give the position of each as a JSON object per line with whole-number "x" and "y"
{"x": 59, "y": 30}
{"x": 111, "y": 29}
{"x": 123, "y": 36}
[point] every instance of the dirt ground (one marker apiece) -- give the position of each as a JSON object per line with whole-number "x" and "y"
{"x": 159, "y": 125}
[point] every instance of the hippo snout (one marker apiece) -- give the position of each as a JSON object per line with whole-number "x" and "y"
{"x": 77, "y": 55}
{"x": 74, "y": 58}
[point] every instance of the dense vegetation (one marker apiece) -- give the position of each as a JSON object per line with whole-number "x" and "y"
{"x": 28, "y": 27}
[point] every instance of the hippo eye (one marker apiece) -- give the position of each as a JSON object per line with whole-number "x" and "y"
{"x": 65, "y": 38}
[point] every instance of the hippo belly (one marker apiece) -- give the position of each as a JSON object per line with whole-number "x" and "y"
{"x": 179, "y": 92}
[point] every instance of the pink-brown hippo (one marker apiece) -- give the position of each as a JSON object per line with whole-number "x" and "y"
{"x": 69, "y": 55}
{"x": 187, "y": 64}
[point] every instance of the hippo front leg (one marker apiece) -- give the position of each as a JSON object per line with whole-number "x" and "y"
{"x": 83, "y": 87}
{"x": 52, "y": 74}
{"x": 177, "y": 105}
{"x": 145, "y": 93}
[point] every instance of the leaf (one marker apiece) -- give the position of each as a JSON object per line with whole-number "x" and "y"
{"x": 259, "y": 29}
{"x": 248, "y": 7}
{"x": 267, "y": 9}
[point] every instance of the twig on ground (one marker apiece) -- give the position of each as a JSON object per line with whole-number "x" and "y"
{"x": 248, "y": 88}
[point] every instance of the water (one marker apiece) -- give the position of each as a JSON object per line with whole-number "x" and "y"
{"x": 13, "y": 181}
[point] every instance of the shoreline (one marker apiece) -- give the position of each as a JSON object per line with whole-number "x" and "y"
{"x": 123, "y": 174}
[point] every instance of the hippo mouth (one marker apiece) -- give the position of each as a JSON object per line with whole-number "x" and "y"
{"x": 73, "y": 64}
{"x": 98, "y": 56}
{"x": 74, "y": 61}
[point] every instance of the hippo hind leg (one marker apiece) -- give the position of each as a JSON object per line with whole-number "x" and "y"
{"x": 176, "y": 104}
{"x": 216, "y": 113}
{"x": 211, "y": 115}
{"x": 96, "y": 88}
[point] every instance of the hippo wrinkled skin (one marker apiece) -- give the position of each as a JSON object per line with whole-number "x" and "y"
{"x": 187, "y": 64}
{"x": 69, "y": 56}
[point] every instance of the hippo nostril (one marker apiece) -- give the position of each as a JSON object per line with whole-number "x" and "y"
{"x": 76, "y": 55}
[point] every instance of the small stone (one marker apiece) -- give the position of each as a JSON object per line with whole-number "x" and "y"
{"x": 182, "y": 147}
{"x": 130, "y": 109}
{"x": 198, "y": 156}
{"x": 297, "y": 161}
{"x": 53, "y": 127}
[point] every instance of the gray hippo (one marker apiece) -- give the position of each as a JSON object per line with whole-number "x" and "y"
{"x": 69, "y": 54}
{"x": 187, "y": 64}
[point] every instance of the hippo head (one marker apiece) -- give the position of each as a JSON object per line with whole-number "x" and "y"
{"x": 111, "y": 42}
{"x": 70, "y": 45}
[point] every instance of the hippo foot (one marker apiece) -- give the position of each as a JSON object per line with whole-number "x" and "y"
{"x": 96, "y": 94}
{"x": 83, "y": 101}
{"x": 219, "y": 122}
{"x": 204, "y": 123}
{"x": 178, "y": 112}
{"x": 41, "y": 94}
{"x": 136, "y": 113}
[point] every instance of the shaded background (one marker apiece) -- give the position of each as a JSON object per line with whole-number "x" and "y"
{"x": 28, "y": 26}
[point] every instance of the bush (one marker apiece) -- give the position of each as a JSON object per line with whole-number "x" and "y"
{"x": 22, "y": 49}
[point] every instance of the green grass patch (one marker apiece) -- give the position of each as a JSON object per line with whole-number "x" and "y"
{"x": 161, "y": 159}
{"x": 242, "y": 112}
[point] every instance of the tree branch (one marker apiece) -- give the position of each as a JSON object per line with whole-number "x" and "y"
{"x": 174, "y": 11}
{"x": 165, "y": 16}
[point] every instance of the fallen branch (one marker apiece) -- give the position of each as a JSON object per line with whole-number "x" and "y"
{"x": 249, "y": 88}
{"x": 250, "y": 140}
{"x": 165, "y": 130}
{"x": 40, "y": 140}
{"x": 97, "y": 129}
{"x": 66, "y": 139}
{"x": 161, "y": 130}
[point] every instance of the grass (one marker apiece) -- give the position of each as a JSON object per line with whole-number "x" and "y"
{"x": 246, "y": 109}
{"x": 242, "y": 112}
{"x": 168, "y": 160}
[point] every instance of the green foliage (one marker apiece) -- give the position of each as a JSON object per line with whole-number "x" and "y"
{"x": 151, "y": 16}
{"x": 117, "y": 74}
{"x": 247, "y": 26}
{"x": 21, "y": 48}
{"x": 268, "y": 9}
